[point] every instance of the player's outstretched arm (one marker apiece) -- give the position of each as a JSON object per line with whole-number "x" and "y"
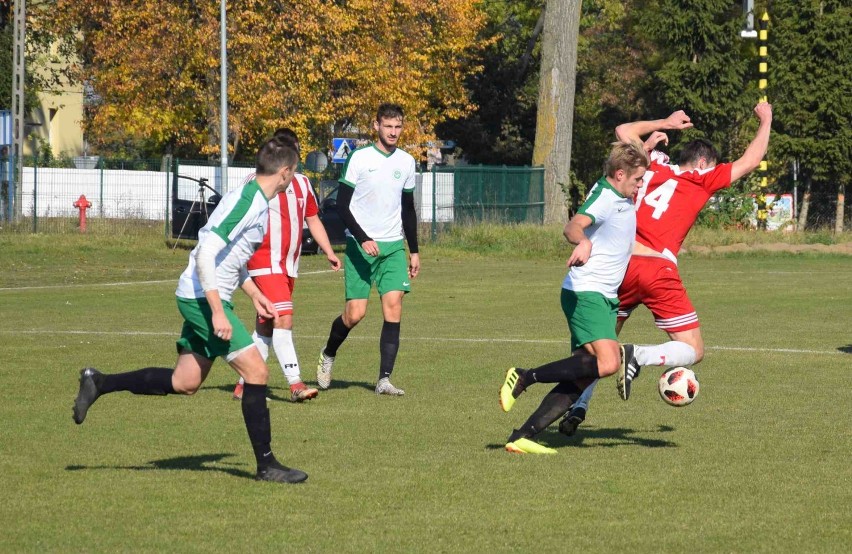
{"x": 756, "y": 150}
{"x": 633, "y": 132}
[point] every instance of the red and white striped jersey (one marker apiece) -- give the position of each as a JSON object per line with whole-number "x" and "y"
{"x": 669, "y": 203}
{"x": 282, "y": 244}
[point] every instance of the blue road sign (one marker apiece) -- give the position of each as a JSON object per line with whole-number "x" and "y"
{"x": 341, "y": 148}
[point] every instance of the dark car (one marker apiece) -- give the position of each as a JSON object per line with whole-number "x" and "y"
{"x": 333, "y": 224}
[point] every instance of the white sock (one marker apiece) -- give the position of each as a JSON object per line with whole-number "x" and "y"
{"x": 586, "y": 397}
{"x": 262, "y": 344}
{"x": 670, "y": 354}
{"x": 285, "y": 351}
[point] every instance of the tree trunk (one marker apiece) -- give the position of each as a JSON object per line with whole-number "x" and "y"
{"x": 555, "y": 115}
{"x": 806, "y": 203}
{"x": 841, "y": 203}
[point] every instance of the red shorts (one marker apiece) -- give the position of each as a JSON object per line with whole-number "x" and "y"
{"x": 655, "y": 282}
{"x": 278, "y": 288}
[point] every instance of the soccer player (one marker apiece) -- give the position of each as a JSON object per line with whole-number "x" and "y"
{"x": 376, "y": 202}
{"x": 666, "y": 209}
{"x": 274, "y": 268}
{"x": 603, "y": 231}
{"x": 211, "y": 329}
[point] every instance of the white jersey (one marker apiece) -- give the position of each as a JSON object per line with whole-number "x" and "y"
{"x": 612, "y": 233}
{"x": 378, "y": 179}
{"x": 240, "y": 219}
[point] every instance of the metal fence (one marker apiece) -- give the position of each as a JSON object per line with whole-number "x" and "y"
{"x": 127, "y": 194}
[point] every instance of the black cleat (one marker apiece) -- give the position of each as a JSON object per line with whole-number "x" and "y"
{"x": 628, "y": 371}
{"x": 572, "y": 420}
{"x": 278, "y": 473}
{"x": 90, "y": 390}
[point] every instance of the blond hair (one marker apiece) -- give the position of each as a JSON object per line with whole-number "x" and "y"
{"x": 626, "y": 156}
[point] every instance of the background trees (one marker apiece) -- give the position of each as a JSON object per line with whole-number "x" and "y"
{"x": 464, "y": 70}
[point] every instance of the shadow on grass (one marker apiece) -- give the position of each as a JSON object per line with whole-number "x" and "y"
{"x": 845, "y": 349}
{"x": 604, "y": 438}
{"x": 204, "y": 462}
{"x": 283, "y": 395}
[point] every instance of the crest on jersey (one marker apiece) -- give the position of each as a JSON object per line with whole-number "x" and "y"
{"x": 397, "y": 174}
{"x": 301, "y": 203}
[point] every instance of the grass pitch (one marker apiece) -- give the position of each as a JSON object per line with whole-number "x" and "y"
{"x": 759, "y": 463}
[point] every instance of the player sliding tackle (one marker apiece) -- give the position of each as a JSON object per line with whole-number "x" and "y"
{"x": 666, "y": 209}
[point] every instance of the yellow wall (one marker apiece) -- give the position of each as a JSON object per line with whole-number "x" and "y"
{"x": 60, "y": 117}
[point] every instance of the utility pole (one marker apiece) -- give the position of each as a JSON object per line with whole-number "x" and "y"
{"x": 19, "y": 30}
{"x": 223, "y": 97}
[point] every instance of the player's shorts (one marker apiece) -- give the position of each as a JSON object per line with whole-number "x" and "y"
{"x": 656, "y": 283}
{"x": 388, "y": 270}
{"x": 278, "y": 288}
{"x": 591, "y": 316}
{"x": 197, "y": 334}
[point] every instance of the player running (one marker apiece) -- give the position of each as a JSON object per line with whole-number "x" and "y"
{"x": 666, "y": 209}
{"x": 211, "y": 328}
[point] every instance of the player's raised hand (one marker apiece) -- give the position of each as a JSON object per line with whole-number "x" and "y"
{"x": 763, "y": 111}
{"x": 678, "y": 120}
{"x": 655, "y": 138}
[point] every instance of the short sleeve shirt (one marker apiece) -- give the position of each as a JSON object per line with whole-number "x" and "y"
{"x": 378, "y": 179}
{"x": 611, "y": 233}
{"x": 669, "y": 203}
{"x": 241, "y": 220}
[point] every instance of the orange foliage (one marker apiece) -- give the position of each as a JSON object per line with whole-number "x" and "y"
{"x": 320, "y": 67}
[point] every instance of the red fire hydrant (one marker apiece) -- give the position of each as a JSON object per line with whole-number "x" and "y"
{"x": 82, "y": 204}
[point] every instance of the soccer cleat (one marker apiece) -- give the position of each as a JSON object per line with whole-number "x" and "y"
{"x": 90, "y": 380}
{"x": 238, "y": 391}
{"x": 299, "y": 392}
{"x": 572, "y": 420}
{"x": 526, "y": 446}
{"x": 627, "y": 371}
{"x": 324, "y": 370}
{"x": 512, "y": 388}
{"x": 384, "y": 386}
{"x": 278, "y": 473}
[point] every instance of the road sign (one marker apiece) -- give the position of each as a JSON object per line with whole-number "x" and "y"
{"x": 341, "y": 148}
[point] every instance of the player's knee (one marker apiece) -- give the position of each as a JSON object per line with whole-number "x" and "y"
{"x": 186, "y": 388}
{"x": 699, "y": 352}
{"x": 608, "y": 366}
{"x": 352, "y": 317}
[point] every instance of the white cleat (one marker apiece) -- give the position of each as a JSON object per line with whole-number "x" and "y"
{"x": 324, "y": 370}
{"x": 384, "y": 386}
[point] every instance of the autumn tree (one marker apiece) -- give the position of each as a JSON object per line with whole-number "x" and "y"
{"x": 316, "y": 66}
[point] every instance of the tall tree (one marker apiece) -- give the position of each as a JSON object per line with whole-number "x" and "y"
{"x": 557, "y": 78}
{"x": 313, "y": 65}
{"x": 811, "y": 90}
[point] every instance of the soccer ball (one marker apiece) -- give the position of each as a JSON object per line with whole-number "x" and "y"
{"x": 678, "y": 386}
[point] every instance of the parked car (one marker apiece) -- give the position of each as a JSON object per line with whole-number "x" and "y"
{"x": 334, "y": 226}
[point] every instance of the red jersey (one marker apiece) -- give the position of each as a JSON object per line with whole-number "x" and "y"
{"x": 669, "y": 203}
{"x": 282, "y": 244}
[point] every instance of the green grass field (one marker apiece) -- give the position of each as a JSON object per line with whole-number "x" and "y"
{"x": 759, "y": 463}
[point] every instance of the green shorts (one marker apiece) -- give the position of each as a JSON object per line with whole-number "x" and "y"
{"x": 197, "y": 334}
{"x": 591, "y": 316}
{"x": 389, "y": 270}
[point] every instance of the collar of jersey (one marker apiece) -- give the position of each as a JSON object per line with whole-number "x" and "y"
{"x": 604, "y": 183}
{"x": 383, "y": 153}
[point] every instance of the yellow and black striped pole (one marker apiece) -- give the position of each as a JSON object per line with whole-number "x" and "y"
{"x": 762, "y": 38}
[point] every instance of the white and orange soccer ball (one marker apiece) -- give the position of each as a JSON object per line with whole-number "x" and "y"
{"x": 678, "y": 386}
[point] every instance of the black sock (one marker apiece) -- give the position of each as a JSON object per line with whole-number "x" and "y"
{"x": 578, "y": 367}
{"x": 388, "y": 347}
{"x": 338, "y": 334}
{"x": 150, "y": 380}
{"x": 552, "y": 407}
{"x": 256, "y": 416}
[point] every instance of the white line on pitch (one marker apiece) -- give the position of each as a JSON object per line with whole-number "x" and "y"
{"x": 434, "y": 339}
{"x": 124, "y": 283}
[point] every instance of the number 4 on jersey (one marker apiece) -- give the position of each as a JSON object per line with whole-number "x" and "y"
{"x": 659, "y": 198}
